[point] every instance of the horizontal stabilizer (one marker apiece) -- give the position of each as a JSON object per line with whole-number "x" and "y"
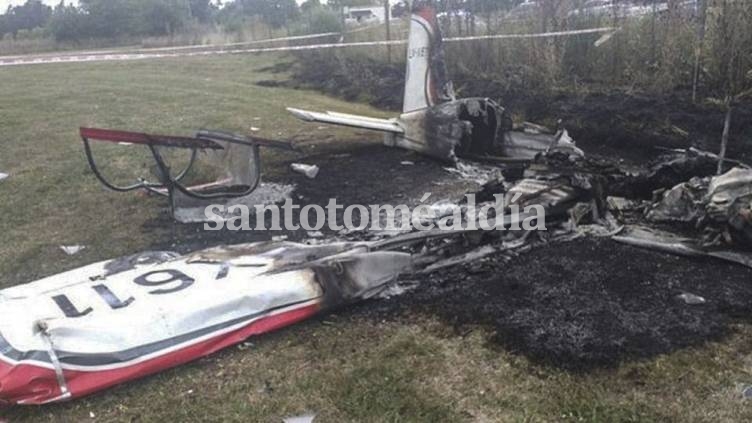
{"x": 354, "y": 121}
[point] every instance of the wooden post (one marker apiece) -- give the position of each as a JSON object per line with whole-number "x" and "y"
{"x": 653, "y": 37}
{"x": 616, "y": 72}
{"x": 344, "y": 21}
{"x": 702, "y": 5}
{"x": 725, "y": 136}
{"x": 387, "y": 14}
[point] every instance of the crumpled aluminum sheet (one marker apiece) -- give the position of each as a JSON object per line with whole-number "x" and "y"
{"x": 90, "y": 328}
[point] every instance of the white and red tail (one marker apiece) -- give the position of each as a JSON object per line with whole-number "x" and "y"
{"x": 426, "y": 81}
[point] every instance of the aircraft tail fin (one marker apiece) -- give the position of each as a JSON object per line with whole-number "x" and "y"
{"x": 426, "y": 79}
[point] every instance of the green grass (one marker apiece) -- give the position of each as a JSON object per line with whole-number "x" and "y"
{"x": 52, "y": 199}
{"x": 344, "y": 369}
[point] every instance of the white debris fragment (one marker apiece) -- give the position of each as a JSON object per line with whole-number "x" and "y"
{"x": 3, "y": 176}
{"x": 565, "y": 138}
{"x": 475, "y": 172}
{"x": 469, "y": 257}
{"x": 315, "y": 234}
{"x": 407, "y": 163}
{"x": 623, "y": 204}
{"x": 245, "y": 345}
{"x": 443, "y": 208}
{"x": 747, "y": 392}
{"x": 307, "y": 418}
{"x": 691, "y": 299}
{"x": 397, "y": 289}
{"x": 604, "y": 39}
{"x": 92, "y": 415}
{"x": 310, "y": 171}
{"x": 255, "y": 129}
{"x": 72, "y": 249}
{"x": 534, "y": 128}
{"x": 279, "y": 238}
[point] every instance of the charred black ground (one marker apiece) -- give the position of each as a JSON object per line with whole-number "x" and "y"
{"x": 586, "y": 303}
{"x": 577, "y": 305}
{"x": 350, "y": 172}
{"x": 580, "y": 305}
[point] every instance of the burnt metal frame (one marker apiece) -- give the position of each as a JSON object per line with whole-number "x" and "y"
{"x": 203, "y": 140}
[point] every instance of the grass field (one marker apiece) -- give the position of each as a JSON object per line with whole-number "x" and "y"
{"x": 51, "y": 198}
{"x": 345, "y": 367}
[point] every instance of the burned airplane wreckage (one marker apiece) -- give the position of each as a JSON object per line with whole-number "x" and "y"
{"x": 78, "y": 332}
{"x": 81, "y": 331}
{"x": 84, "y": 330}
{"x": 433, "y": 121}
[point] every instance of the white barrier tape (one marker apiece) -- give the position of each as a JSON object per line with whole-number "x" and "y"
{"x": 243, "y": 43}
{"x": 137, "y": 50}
{"x": 539, "y": 35}
{"x": 268, "y": 40}
{"x": 142, "y": 56}
{"x": 134, "y": 50}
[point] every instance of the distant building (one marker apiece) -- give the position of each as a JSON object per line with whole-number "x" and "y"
{"x": 365, "y": 14}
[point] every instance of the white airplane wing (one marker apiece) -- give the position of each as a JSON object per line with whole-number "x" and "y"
{"x": 354, "y": 121}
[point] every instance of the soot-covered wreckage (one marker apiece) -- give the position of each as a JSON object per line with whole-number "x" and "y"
{"x": 433, "y": 122}
{"x": 87, "y": 329}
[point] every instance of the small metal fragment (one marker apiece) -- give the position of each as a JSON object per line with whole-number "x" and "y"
{"x": 72, "y": 250}
{"x": 310, "y": 171}
{"x": 691, "y": 299}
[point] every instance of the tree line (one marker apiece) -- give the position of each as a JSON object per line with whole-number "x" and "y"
{"x": 113, "y": 19}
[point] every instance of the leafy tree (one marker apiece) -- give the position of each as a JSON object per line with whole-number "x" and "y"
{"x": 30, "y": 15}
{"x": 116, "y": 18}
{"x": 338, "y": 4}
{"x": 162, "y": 17}
{"x": 275, "y": 13}
{"x": 310, "y": 5}
{"x": 3, "y": 26}
{"x": 400, "y": 9}
{"x": 323, "y": 20}
{"x": 110, "y": 18}
{"x": 278, "y": 12}
{"x": 68, "y": 23}
{"x": 202, "y": 10}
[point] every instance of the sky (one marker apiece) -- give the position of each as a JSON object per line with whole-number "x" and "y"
{"x": 4, "y": 3}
